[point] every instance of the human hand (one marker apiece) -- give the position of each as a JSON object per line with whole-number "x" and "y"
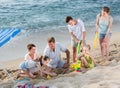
{"x": 96, "y": 31}
{"x": 66, "y": 65}
{"x": 78, "y": 42}
{"x": 53, "y": 74}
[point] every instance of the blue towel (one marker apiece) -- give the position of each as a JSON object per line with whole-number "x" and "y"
{"x": 7, "y": 34}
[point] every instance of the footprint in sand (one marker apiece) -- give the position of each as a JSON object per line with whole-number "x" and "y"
{"x": 113, "y": 52}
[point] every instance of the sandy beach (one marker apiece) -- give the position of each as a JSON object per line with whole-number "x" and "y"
{"x": 102, "y": 76}
{"x": 40, "y": 19}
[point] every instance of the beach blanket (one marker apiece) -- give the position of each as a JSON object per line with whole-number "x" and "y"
{"x": 28, "y": 85}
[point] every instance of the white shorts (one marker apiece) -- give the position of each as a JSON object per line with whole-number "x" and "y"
{"x": 73, "y": 43}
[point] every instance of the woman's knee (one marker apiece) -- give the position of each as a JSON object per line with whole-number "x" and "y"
{"x": 103, "y": 44}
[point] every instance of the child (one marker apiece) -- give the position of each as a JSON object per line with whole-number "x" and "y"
{"x": 85, "y": 57}
{"x": 32, "y": 62}
{"x": 32, "y": 52}
{"x": 27, "y": 65}
{"x": 45, "y": 62}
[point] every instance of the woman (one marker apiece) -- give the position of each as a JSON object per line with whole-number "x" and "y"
{"x": 103, "y": 27}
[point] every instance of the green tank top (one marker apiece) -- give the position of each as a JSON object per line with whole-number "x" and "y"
{"x": 89, "y": 60}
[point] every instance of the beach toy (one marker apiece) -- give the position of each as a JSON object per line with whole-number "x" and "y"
{"x": 76, "y": 66}
{"x": 95, "y": 40}
{"x": 79, "y": 47}
{"x": 48, "y": 77}
{"x": 73, "y": 66}
{"x": 7, "y": 34}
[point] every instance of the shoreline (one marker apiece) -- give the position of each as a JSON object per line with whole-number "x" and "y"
{"x": 14, "y": 63}
{"x": 16, "y": 48}
{"x": 106, "y": 74}
{"x": 103, "y": 75}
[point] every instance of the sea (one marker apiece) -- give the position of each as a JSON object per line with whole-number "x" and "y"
{"x": 39, "y": 15}
{"x": 43, "y": 18}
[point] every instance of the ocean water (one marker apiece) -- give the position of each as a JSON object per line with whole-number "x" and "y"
{"x": 40, "y": 19}
{"x": 41, "y": 15}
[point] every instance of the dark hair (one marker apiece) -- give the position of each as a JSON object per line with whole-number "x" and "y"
{"x": 51, "y": 39}
{"x": 106, "y": 9}
{"x": 68, "y": 18}
{"x": 30, "y": 46}
{"x": 45, "y": 58}
{"x": 88, "y": 46}
{"x": 40, "y": 59}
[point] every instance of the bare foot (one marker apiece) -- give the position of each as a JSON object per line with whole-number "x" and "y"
{"x": 53, "y": 74}
{"x": 102, "y": 60}
{"x": 106, "y": 63}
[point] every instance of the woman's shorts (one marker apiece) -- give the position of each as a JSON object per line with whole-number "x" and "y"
{"x": 103, "y": 35}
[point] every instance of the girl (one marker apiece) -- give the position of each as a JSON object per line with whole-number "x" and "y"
{"x": 103, "y": 27}
{"x": 85, "y": 57}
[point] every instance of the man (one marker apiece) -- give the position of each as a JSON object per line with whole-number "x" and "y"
{"x": 53, "y": 51}
{"x": 77, "y": 33}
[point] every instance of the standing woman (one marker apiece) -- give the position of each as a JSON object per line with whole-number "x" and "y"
{"x": 103, "y": 27}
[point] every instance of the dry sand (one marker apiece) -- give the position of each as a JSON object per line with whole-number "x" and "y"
{"x": 104, "y": 75}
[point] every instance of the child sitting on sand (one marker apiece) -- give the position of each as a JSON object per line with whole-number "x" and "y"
{"x": 27, "y": 64}
{"x": 45, "y": 62}
{"x": 32, "y": 62}
{"x": 85, "y": 57}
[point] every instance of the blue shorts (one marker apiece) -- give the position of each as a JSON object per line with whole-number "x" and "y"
{"x": 31, "y": 69}
{"x": 103, "y": 35}
{"x": 22, "y": 65}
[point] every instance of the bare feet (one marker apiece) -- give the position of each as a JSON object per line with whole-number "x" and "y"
{"x": 53, "y": 74}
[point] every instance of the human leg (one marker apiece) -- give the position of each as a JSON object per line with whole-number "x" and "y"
{"x": 74, "y": 54}
{"x": 74, "y": 49}
{"x": 107, "y": 46}
{"x": 101, "y": 46}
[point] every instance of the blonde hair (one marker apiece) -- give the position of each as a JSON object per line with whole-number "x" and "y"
{"x": 88, "y": 46}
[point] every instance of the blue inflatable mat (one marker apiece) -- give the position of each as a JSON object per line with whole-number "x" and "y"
{"x": 7, "y": 34}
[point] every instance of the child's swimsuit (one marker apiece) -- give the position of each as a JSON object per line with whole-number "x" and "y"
{"x": 89, "y": 60}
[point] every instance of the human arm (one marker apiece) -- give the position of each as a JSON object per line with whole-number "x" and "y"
{"x": 97, "y": 22}
{"x": 80, "y": 55}
{"x": 64, "y": 49}
{"x": 68, "y": 56}
{"x": 109, "y": 29}
{"x": 83, "y": 37}
{"x": 83, "y": 33}
{"x": 74, "y": 37}
{"x": 110, "y": 25}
